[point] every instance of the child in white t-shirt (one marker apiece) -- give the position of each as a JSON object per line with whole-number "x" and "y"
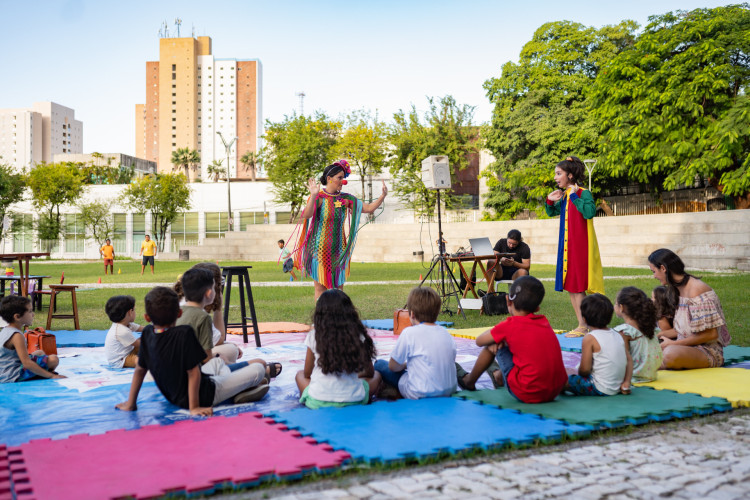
{"x": 422, "y": 364}
{"x": 338, "y": 365}
{"x": 120, "y": 345}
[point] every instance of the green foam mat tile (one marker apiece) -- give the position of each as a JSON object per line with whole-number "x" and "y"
{"x": 735, "y": 354}
{"x": 642, "y": 406}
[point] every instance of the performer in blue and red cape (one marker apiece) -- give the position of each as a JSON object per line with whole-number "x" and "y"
{"x": 579, "y": 267}
{"x": 331, "y": 219}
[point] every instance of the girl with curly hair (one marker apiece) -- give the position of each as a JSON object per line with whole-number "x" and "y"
{"x": 338, "y": 365}
{"x": 579, "y": 267}
{"x": 664, "y": 312}
{"x": 634, "y": 307}
{"x": 329, "y": 232}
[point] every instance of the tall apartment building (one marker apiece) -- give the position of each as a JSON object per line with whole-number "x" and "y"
{"x": 190, "y": 96}
{"x": 31, "y": 136}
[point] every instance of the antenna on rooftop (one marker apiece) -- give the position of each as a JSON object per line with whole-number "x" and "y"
{"x": 301, "y": 95}
{"x": 192, "y": 32}
{"x": 178, "y": 22}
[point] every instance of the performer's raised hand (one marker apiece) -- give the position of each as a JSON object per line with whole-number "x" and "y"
{"x": 313, "y": 186}
{"x": 384, "y": 193}
{"x": 555, "y": 195}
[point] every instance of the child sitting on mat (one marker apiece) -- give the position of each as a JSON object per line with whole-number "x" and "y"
{"x": 527, "y": 351}
{"x": 16, "y": 364}
{"x": 173, "y": 355}
{"x": 338, "y": 365}
{"x": 639, "y": 314}
{"x": 664, "y": 312}
{"x": 422, "y": 363}
{"x": 606, "y": 367}
{"x": 227, "y": 351}
{"x": 120, "y": 345}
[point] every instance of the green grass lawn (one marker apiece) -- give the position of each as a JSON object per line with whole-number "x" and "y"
{"x": 374, "y": 301}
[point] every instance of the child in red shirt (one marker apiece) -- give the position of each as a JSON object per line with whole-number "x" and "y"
{"x": 525, "y": 346}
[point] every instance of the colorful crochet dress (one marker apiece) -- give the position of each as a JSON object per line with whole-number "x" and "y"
{"x": 579, "y": 267}
{"x": 327, "y": 239}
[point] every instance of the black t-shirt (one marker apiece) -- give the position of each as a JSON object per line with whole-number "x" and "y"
{"x": 522, "y": 250}
{"x": 168, "y": 356}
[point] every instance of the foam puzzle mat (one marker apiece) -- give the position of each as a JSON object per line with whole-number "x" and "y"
{"x": 196, "y": 457}
{"x": 473, "y": 333}
{"x": 273, "y": 327}
{"x": 387, "y": 324}
{"x": 735, "y": 354}
{"x": 422, "y": 428}
{"x": 732, "y": 384}
{"x": 82, "y": 338}
{"x": 642, "y": 406}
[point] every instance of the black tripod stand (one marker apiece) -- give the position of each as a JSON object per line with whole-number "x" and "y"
{"x": 452, "y": 288}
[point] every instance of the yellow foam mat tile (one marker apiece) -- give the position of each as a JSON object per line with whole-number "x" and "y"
{"x": 473, "y": 333}
{"x": 732, "y": 384}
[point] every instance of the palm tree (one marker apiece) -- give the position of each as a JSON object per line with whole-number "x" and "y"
{"x": 250, "y": 160}
{"x": 215, "y": 170}
{"x": 186, "y": 158}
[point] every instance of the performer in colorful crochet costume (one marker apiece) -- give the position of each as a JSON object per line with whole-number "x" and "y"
{"x": 329, "y": 232}
{"x": 579, "y": 267}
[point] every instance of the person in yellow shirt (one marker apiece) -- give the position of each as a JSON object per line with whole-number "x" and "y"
{"x": 108, "y": 254}
{"x": 148, "y": 251}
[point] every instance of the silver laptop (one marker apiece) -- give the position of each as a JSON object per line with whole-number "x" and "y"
{"x": 481, "y": 247}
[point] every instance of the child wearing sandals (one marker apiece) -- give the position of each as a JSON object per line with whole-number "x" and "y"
{"x": 338, "y": 365}
{"x": 526, "y": 348}
{"x": 173, "y": 355}
{"x": 606, "y": 367}
{"x": 639, "y": 314}
{"x": 422, "y": 362}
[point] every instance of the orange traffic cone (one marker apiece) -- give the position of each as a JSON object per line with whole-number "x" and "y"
{"x": 100, "y": 280}
{"x": 420, "y": 277}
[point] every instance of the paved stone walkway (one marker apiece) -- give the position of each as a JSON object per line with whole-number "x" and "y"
{"x": 707, "y": 458}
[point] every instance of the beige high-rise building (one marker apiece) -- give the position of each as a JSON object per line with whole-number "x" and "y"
{"x": 190, "y": 96}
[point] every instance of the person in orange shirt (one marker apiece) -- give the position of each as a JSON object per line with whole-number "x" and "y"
{"x": 148, "y": 251}
{"x": 108, "y": 253}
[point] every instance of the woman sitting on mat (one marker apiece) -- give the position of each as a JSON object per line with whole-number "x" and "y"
{"x": 338, "y": 365}
{"x": 700, "y": 331}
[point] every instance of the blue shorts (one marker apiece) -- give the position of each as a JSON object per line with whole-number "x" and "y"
{"x": 582, "y": 386}
{"x": 147, "y": 260}
{"x": 28, "y": 374}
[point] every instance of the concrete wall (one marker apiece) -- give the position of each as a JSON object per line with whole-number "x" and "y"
{"x": 704, "y": 240}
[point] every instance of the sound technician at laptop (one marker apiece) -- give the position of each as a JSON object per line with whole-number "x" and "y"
{"x": 518, "y": 265}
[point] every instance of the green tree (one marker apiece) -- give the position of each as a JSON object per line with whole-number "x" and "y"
{"x": 541, "y": 111}
{"x": 447, "y": 130}
{"x": 250, "y": 161}
{"x": 53, "y": 185}
{"x": 674, "y": 108}
{"x": 165, "y": 196}
{"x": 186, "y": 159}
{"x": 297, "y": 149}
{"x": 216, "y": 171}
{"x": 364, "y": 144}
{"x": 11, "y": 191}
{"x": 97, "y": 218}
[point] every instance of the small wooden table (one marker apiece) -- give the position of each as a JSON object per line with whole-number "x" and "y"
{"x": 477, "y": 261}
{"x": 23, "y": 274}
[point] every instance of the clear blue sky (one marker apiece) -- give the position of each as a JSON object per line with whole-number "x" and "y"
{"x": 382, "y": 55}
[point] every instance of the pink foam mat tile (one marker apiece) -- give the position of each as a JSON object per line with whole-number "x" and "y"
{"x": 189, "y": 457}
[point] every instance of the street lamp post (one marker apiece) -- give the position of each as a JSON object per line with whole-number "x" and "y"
{"x": 590, "y": 164}
{"x": 228, "y": 148}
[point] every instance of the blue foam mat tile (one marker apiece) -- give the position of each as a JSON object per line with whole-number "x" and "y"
{"x": 572, "y": 344}
{"x": 82, "y": 338}
{"x": 406, "y": 429}
{"x": 387, "y": 324}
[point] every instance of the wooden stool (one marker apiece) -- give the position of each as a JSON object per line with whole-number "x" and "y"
{"x": 246, "y": 293}
{"x": 55, "y": 289}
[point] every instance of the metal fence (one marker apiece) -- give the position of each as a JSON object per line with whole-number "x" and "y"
{"x": 669, "y": 202}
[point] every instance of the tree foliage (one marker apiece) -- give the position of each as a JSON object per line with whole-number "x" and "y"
{"x": 250, "y": 161}
{"x": 53, "y": 185}
{"x": 11, "y": 191}
{"x": 674, "y": 107}
{"x": 297, "y": 149}
{"x": 364, "y": 145}
{"x": 216, "y": 170}
{"x": 186, "y": 159}
{"x": 97, "y": 218}
{"x": 541, "y": 110}
{"x": 164, "y": 196}
{"x": 446, "y": 130}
